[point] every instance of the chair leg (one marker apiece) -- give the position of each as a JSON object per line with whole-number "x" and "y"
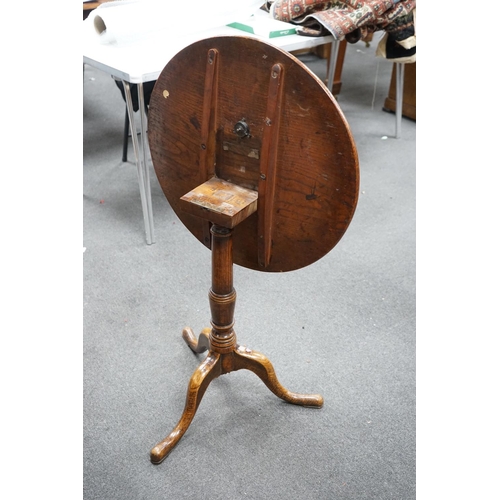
{"x": 125, "y": 136}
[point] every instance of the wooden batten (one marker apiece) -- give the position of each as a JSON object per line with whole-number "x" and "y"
{"x": 208, "y": 126}
{"x": 269, "y": 153}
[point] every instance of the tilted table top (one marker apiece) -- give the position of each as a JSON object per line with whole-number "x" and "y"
{"x": 250, "y": 114}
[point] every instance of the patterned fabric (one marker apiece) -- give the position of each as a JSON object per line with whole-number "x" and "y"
{"x": 354, "y": 20}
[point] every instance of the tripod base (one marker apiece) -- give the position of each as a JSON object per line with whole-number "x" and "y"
{"x": 216, "y": 364}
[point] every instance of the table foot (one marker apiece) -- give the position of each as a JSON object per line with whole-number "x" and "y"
{"x": 260, "y": 365}
{"x": 200, "y": 345}
{"x": 198, "y": 384}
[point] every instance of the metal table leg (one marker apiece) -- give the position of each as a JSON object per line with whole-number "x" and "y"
{"x": 141, "y": 160}
{"x": 333, "y": 63}
{"x": 400, "y": 76}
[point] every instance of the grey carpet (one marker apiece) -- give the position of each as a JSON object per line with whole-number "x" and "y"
{"x": 343, "y": 327}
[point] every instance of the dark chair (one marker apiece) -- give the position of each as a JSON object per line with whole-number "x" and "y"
{"x": 147, "y": 88}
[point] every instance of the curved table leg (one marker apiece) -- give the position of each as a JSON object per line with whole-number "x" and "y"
{"x": 262, "y": 367}
{"x": 198, "y": 384}
{"x": 200, "y": 345}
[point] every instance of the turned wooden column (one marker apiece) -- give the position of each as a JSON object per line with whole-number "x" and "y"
{"x": 222, "y": 295}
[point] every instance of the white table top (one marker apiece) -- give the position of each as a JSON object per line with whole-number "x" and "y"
{"x": 143, "y": 60}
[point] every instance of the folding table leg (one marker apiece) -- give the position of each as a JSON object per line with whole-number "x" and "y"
{"x": 400, "y": 77}
{"x": 333, "y": 64}
{"x": 141, "y": 162}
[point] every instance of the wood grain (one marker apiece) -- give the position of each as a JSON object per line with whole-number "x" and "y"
{"x": 316, "y": 170}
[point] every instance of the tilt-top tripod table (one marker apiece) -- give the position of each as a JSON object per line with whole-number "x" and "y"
{"x": 257, "y": 160}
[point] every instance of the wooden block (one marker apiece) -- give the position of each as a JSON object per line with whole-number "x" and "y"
{"x": 220, "y": 202}
{"x": 323, "y": 51}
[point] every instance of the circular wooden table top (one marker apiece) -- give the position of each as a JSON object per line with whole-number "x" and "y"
{"x": 251, "y": 114}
